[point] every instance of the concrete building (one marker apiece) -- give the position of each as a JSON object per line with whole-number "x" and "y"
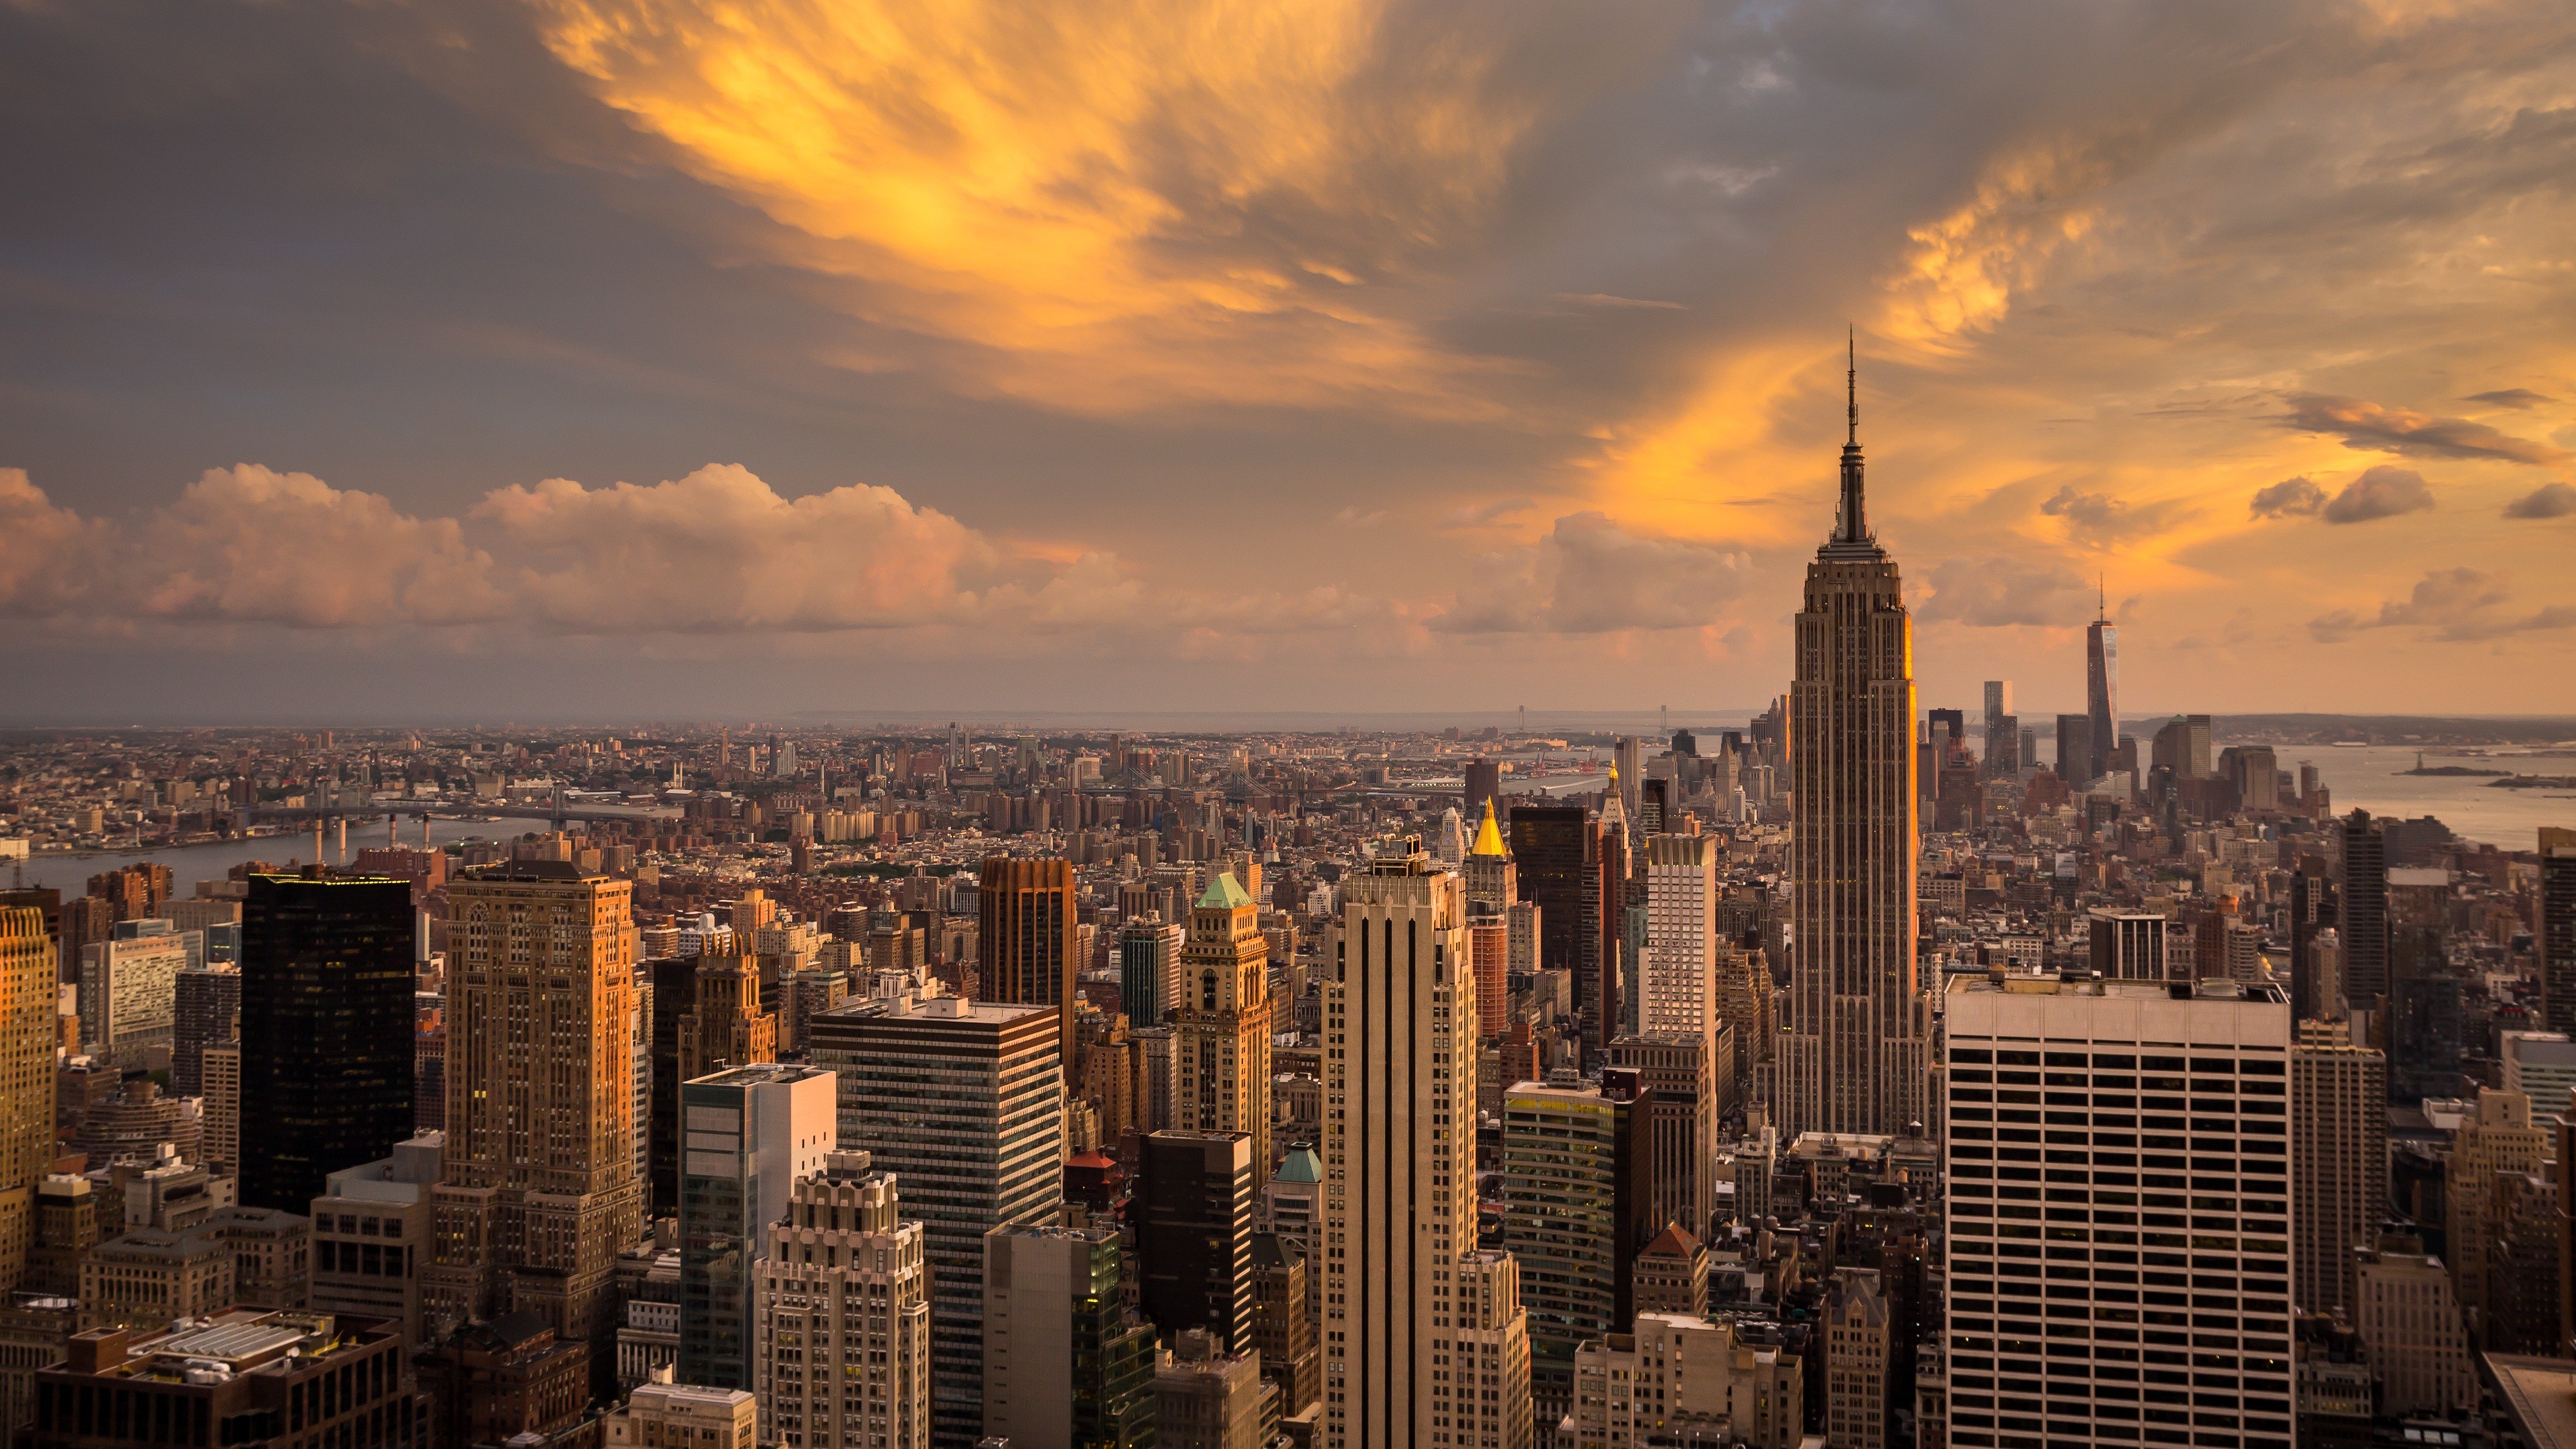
{"x": 1221, "y": 1025}
{"x": 28, "y": 973}
{"x": 1149, "y": 969}
{"x": 963, "y": 1102}
{"x": 2187, "y": 1203}
{"x": 1671, "y": 1275}
{"x": 751, "y": 1133}
{"x": 1205, "y": 1398}
{"x": 511, "y": 1379}
{"x": 538, "y": 1193}
{"x": 1854, "y": 1050}
{"x": 272, "y": 1254}
{"x": 1680, "y": 1380}
{"x": 1191, "y": 1205}
{"x": 343, "y": 1381}
{"x": 207, "y": 1013}
{"x": 2409, "y": 1321}
{"x": 1066, "y": 1366}
{"x": 2541, "y": 1065}
{"x": 2500, "y": 1139}
{"x": 128, "y": 998}
{"x": 151, "y": 1277}
{"x": 1283, "y": 1328}
{"x": 371, "y": 1241}
{"x": 725, "y": 1025}
{"x": 2338, "y": 1161}
{"x": 1411, "y": 1308}
{"x": 1855, "y": 1333}
{"x": 1677, "y": 992}
{"x": 220, "y": 1110}
{"x": 844, "y": 1315}
{"x": 1678, "y": 1074}
{"x": 684, "y": 1416}
{"x": 2127, "y": 945}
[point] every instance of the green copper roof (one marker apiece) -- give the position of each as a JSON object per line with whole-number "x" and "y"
{"x": 1302, "y": 1166}
{"x": 1224, "y": 892}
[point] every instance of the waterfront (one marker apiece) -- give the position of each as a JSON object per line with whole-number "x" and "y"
{"x": 213, "y": 860}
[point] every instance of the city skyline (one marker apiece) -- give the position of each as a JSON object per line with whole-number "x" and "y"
{"x": 1510, "y": 400}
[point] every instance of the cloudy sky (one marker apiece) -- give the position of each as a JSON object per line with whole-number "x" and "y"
{"x": 618, "y": 358}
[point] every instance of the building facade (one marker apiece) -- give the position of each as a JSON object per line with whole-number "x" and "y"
{"x": 1221, "y": 1025}
{"x": 964, "y": 1103}
{"x": 1413, "y": 1312}
{"x": 844, "y": 1315}
{"x": 327, "y": 996}
{"x": 2176, "y": 1327}
{"x": 752, "y": 1133}
{"x": 1854, "y": 1051}
{"x": 2338, "y": 1161}
{"x": 538, "y": 1193}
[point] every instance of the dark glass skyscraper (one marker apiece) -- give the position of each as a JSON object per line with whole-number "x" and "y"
{"x": 2364, "y": 911}
{"x": 2558, "y": 929}
{"x": 1554, "y": 868}
{"x": 326, "y": 1030}
{"x": 1192, "y": 1210}
{"x": 2102, "y": 688}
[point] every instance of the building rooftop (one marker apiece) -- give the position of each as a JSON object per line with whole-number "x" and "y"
{"x": 2539, "y": 1396}
{"x": 1223, "y": 892}
{"x": 1999, "y": 983}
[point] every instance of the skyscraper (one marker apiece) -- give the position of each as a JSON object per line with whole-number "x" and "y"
{"x": 724, "y": 1025}
{"x": 963, "y": 1102}
{"x": 1066, "y": 1365}
{"x": 327, "y": 1005}
{"x": 2187, "y": 1216}
{"x": 1676, "y": 992}
{"x": 1854, "y": 1052}
{"x": 844, "y": 1314}
{"x": 1416, "y": 1320}
{"x": 1149, "y": 969}
{"x": 753, "y": 1132}
{"x": 1024, "y": 949}
{"x": 1552, "y": 864}
{"x": 2102, "y": 688}
{"x": 28, "y": 971}
{"x": 2338, "y": 1159}
{"x": 208, "y": 1009}
{"x": 1221, "y": 1024}
{"x": 1605, "y": 1009}
{"x": 2558, "y": 929}
{"x": 2362, "y": 927}
{"x": 1578, "y": 1192}
{"x": 2003, "y": 729}
{"x": 538, "y": 1193}
{"x": 1190, "y": 1204}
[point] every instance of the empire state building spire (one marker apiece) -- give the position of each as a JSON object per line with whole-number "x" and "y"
{"x": 1851, "y": 525}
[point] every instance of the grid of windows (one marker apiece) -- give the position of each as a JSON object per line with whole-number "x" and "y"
{"x": 2119, "y": 1244}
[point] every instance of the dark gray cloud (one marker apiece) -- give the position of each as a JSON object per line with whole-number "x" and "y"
{"x": 2291, "y": 497}
{"x": 2370, "y": 426}
{"x": 2511, "y": 397}
{"x": 2549, "y": 500}
{"x": 2381, "y": 492}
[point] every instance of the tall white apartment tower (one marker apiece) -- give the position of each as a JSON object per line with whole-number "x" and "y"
{"x": 1854, "y": 1051}
{"x": 1418, "y": 1325}
{"x": 844, "y": 1340}
{"x": 1681, "y": 930}
{"x": 2119, "y": 1213}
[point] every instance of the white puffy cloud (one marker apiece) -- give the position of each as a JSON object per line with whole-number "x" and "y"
{"x": 718, "y": 551}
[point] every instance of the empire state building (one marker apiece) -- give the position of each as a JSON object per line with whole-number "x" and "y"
{"x": 1855, "y": 1049}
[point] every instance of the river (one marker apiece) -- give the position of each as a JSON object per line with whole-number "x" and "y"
{"x": 192, "y": 863}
